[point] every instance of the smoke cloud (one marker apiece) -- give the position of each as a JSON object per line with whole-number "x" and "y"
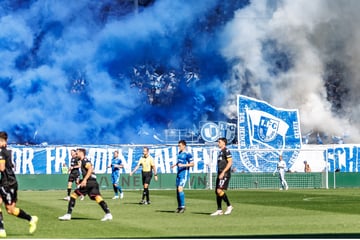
{"x": 104, "y": 72}
{"x": 297, "y": 55}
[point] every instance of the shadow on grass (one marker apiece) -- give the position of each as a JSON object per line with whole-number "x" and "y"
{"x": 287, "y": 236}
{"x": 165, "y": 211}
{"x": 81, "y": 218}
{"x": 202, "y": 213}
{"x": 134, "y": 203}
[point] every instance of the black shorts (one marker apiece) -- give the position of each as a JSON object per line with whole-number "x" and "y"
{"x": 91, "y": 188}
{"x": 9, "y": 194}
{"x": 146, "y": 177}
{"x": 73, "y": 177}
{"x": 222, "y": 183}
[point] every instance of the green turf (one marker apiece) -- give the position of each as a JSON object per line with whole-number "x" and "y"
{"x": 257, "y": 213}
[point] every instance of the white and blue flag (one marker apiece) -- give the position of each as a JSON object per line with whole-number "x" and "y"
{"x": 265, "y": 132}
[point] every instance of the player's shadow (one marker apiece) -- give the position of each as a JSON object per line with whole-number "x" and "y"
{"x": 133, "y": 203}
{"x": 165, "y": 211}
{"x": 82, "y": 218}
{"x": 201, "y": 213}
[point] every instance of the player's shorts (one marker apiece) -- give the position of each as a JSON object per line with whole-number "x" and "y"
{"x": 9, "y": 194}
{"x": 73, "y": 176}
{"x": 115, "y": 176}
{"x": 222, "y": 183}
{"x": 91, "y": 188}
{"x": 182, "y": 178}
{"x": 146, "y": 177}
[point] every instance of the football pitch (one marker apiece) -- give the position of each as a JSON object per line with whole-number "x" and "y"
{"x": 257, "y": 214}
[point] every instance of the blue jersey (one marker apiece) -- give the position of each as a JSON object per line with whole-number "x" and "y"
{"x": 115, "y": 161}
{"x": 184, "y": 158}
{"x": 183, "y": 172}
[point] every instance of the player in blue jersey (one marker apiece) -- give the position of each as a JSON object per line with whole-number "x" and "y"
{"x": 115, "y": 166}
{"x": 183, "y": 164}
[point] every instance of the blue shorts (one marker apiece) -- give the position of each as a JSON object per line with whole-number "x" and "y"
{"x": 115, "y": 176}
{"x": 181, "y": 179}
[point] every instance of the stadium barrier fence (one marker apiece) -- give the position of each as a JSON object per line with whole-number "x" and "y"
{"x": 201, "y": 181}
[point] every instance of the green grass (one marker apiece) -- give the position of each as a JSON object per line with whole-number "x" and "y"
{"x": 257, "y": 213}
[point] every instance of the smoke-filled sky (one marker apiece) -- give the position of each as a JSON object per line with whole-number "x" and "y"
{"x": 105, "y": 72}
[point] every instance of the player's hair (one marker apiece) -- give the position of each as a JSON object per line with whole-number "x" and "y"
{"x": 182, "y": 142}
{"x": 147, "y": 149}
{"x": 82, "y": 150}
{"x": 223, "y": 139}
{"x": 4, "y": 135}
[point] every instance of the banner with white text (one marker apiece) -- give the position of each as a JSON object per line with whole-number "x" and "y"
{"x": 49, "y": 159}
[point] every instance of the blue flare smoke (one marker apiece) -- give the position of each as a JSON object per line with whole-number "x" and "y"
{"x": 103, "y": 72}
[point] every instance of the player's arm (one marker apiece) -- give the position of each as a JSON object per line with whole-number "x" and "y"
{"x": 154, "y": 170}
{"x": 90, "y": 169}
{"x": 120, "y": 165}
{"x": 227, "y": 167}
{"x": 276, "y": 169}
{"x": 136, "y": 168}
{"x": 2, "y": 165}
{"x": 5, "y": 157}
{"x": 78, "y": 164}
{"x": 188, "y": 164}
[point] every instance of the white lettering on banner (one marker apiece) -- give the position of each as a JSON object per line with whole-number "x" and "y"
{"x": 28, "y": 156}
{"x": 128, "y": 163}
{"x": 293, "y": 158}
{"x": 242, "y": 134}
{"x": 296, "y": 129}
{"x": 210, "y": 159}
{"x": 158, "y": 159}
{"x": 17, "y": 156}
{"x": 49, "y": 159}
{"x": 60, "y": 156}
{"x": 100, "y": 160}
{"x": 196, "y": 152}
{"x": 109, "y": 160}
{"x": 248, "y": 164}
{"x": 170, "y": 158}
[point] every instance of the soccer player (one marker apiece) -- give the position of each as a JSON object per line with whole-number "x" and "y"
{"x": 183, "y": 164}
{"x": 224, "y": 163}
{"x": 115, "y": 166}
{"x": 281, "y": 165}
{"x": 88, "y": 185}
{"x": 74, "y": 173}
{"x": 148, "y": 167}
{"x": 9, "y": 187}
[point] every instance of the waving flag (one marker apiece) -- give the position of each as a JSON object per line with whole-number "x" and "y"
{"x": 264, "y": 132}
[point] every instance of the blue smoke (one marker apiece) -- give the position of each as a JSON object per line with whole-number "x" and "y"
{"x": 102, "y": 72}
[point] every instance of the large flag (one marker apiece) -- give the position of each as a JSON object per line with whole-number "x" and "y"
{"x": 265, "y": 132}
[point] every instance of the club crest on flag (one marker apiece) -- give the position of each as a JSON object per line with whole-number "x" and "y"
{"x": 264, "y": 132}
{"x": 268, "y": 129}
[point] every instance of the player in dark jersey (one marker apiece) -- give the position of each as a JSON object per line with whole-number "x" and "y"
{"x": 224, "y": 164}
{"x": 9, "y": 187}
{"x": 88, "y": 185}
{"x": 74, "y": 173}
